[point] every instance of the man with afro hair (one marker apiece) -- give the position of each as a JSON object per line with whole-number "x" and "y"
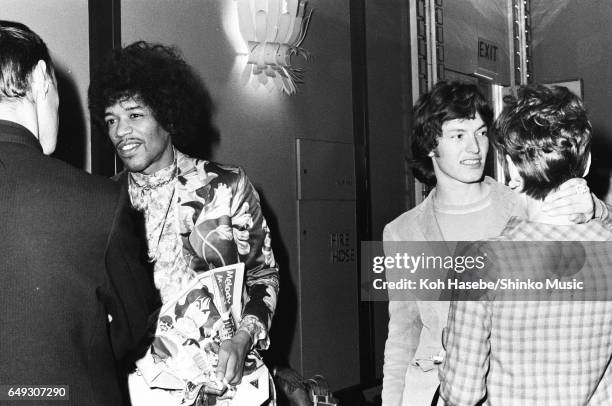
{"x": 199, "y": 215}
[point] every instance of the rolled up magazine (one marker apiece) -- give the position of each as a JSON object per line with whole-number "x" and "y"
{"x": 184, "y": 353}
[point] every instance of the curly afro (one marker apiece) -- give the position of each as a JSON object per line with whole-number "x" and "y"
{"x": 157, "y": 76}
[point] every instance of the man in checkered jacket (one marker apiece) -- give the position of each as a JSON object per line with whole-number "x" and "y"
{"x": 501, "y": 351}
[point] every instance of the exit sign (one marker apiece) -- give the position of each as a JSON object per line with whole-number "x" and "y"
{"x": 488, "y": 55}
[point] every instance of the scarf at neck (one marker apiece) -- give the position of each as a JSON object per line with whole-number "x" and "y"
{"x": 141, "y": 185}
{"x": 154, "y": 195}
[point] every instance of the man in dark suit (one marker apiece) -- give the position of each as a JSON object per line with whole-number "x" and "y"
{"x": 76, "y": 292}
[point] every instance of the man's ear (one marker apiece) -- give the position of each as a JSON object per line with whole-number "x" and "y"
{"x": 587, "y": 167}
{"x": 40, "y": 80}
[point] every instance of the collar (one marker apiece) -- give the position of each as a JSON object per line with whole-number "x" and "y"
{"x": 427, "y": 220}
{"x": 480, "y": 204}
{"x": 502, "y": 198}
{"x": 18, "y": 134}
{"x": 192, "y": 173}
{"x": 160, "y": 178}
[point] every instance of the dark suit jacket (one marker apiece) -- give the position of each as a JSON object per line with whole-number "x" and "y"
{"x": 72, "y": 257}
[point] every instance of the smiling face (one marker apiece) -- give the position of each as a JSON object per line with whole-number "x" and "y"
{"x": 461, "y": 152}
{"x": 140, "y": 141}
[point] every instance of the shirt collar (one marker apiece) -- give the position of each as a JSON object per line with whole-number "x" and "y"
{"x": 157, "y": 179}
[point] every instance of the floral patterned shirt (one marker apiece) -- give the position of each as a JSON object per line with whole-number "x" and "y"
{"x": 200, "y": 215}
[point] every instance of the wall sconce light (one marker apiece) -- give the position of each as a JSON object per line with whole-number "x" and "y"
{"x": 273, "y": 31}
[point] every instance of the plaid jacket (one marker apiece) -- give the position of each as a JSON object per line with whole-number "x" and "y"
{"x": 504, "y": 352}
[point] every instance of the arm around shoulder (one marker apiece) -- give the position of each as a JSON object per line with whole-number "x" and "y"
{"x": 602, "y": 211}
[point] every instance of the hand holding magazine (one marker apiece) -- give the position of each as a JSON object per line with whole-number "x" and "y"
{"x": 190, "y": 328}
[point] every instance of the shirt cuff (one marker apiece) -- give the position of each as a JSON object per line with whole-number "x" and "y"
{"x": 257, "y": 331}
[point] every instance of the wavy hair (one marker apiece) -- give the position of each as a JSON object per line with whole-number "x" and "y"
{"x": 547, "y": 134}
{"x": 446, "y": 101}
